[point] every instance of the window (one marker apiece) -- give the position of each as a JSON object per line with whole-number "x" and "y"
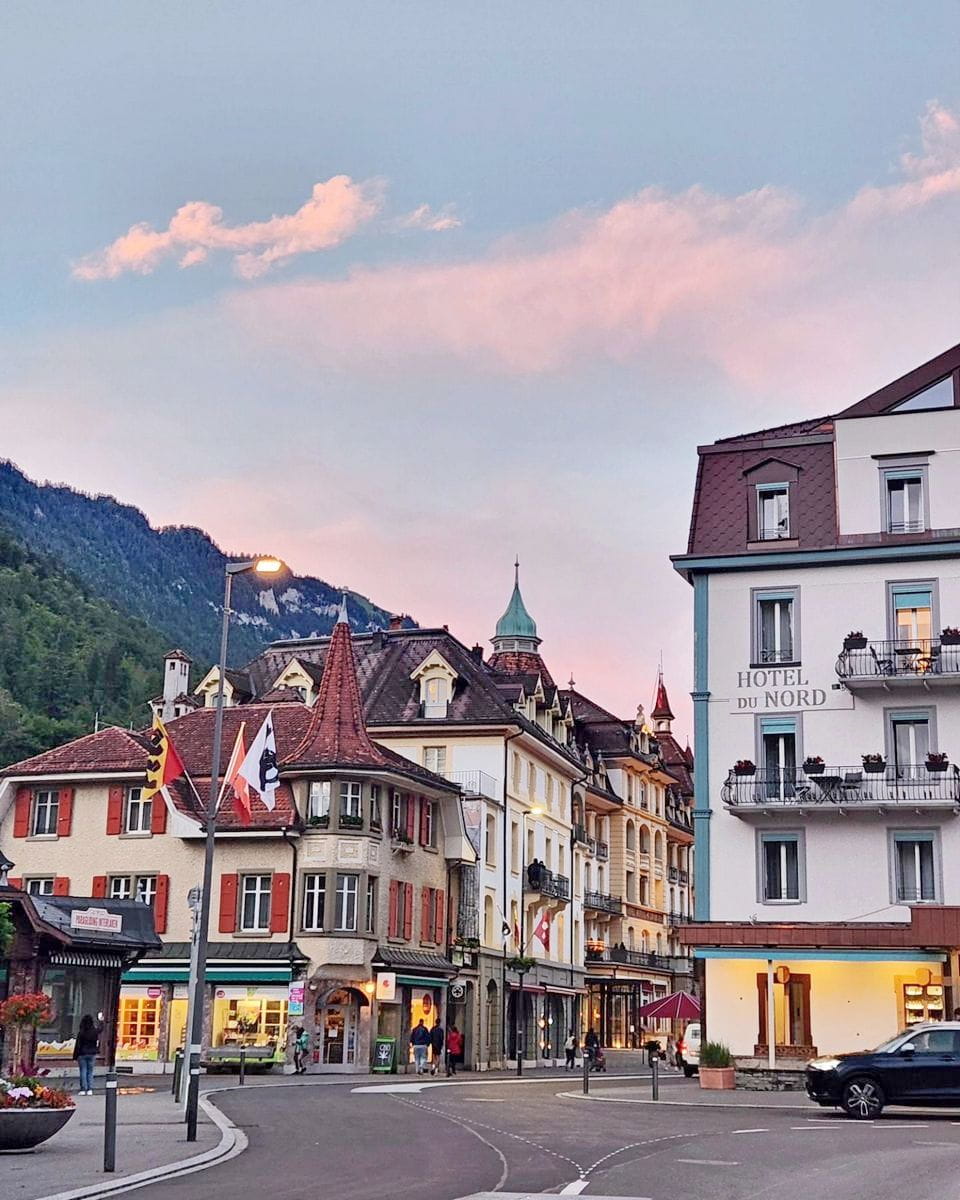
{"x": 350, "y": 801}
{"x": 515, "y": 846}
{"x": 318, "y": 802}
{"x": 370, "y": 917}
{"x": 774, "y": 618}
{"x": 631, "y": 887}
{"x": 936, "y": 395}
{"x": 314, "y": 902}
{"x": 40, "y": 886}
{"x": 427, "y": 831}
{"x": 255, "y": 903}
{"x": 773, "y": 511}
{"x": 375, "y": 819}
{"x": 915, "y": 867}
{"x": 138, "y": 811}
{"x": 780, "y": 868}
{"x": 128, "y": 887}
{"x": 435, "y": 759}
{"x": 912, "y": 613}
{"x": 778, "y": 756}
{"x": 644, "y": 893}
{"x": 904, "y": 500}
{"x": 911, "y": 742}
{"x": 46, "y": 810}
{"x": 397, "y": 824}
{"x": 346, "y": 914}
{"x": 435, "y": 696}
{"x": 490, "y": 849}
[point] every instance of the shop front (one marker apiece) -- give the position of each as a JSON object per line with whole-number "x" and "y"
{"x": 422, "y": 983}
{"x": 613, "y": 1009}
{"x": 342, "y": 1028}
{"x": 546, "y": 1013}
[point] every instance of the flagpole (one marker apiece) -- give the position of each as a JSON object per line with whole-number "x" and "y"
{"x": 198, "y": 984}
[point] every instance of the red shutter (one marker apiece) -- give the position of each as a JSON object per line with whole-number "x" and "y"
{"x": 408, "y": 910}
{"x": 65, "y": 813}
{"x": 425, "y": 915}
{"x": 160, "y": 901}
{"x": 99, "y": 888}
{"x": 280, "y": 902}
{"x": 21, "y": 813}
{"x": 61, "y": 885}
{"x": 439, "y": 927}
{"x": 392, "y": 919}
{"x": 115, "y": 810}
{"x": 228, "y": 903}
{"x": 15, "y": 882}
{"x": 158, "y": 814}
{"x": 411, "y": 815}
{"x": 423, "y": 820}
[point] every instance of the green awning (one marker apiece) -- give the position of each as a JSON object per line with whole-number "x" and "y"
{"x": 422, "y": 981}
{"x": 215, "y": 975}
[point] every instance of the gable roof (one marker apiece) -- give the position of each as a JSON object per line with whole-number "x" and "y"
{"x": 887, "y": 398}
{"x": 110, "y": 749}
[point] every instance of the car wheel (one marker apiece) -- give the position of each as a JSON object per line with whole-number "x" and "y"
{"x": 863, "y": 1098}
{"x": 689, "y": 1071}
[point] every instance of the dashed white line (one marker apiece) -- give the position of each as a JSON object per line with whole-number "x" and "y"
{"x": 952, "y": 1145}
{"x": 750, "y": 1131}
{"x": 709, "y": 1162}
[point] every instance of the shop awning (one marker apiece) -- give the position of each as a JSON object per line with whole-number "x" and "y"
{"x": 148, "y": 974}
{"x": 423, "y": 981}
{"x": 564, "y": 991}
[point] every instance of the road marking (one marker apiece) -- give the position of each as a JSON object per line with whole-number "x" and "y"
{"x": 905, "y": 1125}
{"x": 483, "y": 1100}
{"x": 709, "y": 1162}
{"x": 575, "y": 1188}
{"x": 952, "y": 1145}
{"x": 751, "y": 1131}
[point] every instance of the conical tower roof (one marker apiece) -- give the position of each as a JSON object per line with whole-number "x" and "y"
{"x": 661, "y": 704}
{"x": 516, "y": 621}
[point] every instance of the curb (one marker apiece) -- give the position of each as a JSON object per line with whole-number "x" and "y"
{"x": 233, "y": 1141}
{"x": 784, "y": 1108}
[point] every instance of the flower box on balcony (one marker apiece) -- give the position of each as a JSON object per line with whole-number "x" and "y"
{"x": 855, "y": 641}
{"x": 348, "y": 821}
{"x": 874, "y": 764}
{"x": 950, "y": 636}
{"x": 744, "y": 767}
{"x": 813, "y": 766}
{"x": 937, "y": 762}
{"x": 316, "y": 822}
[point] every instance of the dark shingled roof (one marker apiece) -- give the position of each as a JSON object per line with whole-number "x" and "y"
{"x": 414, "y": 960}
{"x": 110, "y": 749}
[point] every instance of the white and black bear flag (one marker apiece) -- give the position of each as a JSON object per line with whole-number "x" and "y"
{"x": 259, "y": 768}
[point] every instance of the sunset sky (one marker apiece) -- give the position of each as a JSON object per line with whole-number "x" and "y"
{"x": 400, "y": 290}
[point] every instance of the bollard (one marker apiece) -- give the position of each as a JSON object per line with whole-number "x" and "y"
{"x": 586, "y": 1072}
{"x": 243, "y": 1065}
{"x": 110, "y": 1122}
{"x": 655, "y": 1077}
{"x": 177, "y": 1073}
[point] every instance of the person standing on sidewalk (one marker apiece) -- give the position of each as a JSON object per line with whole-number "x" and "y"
{"x": 454, "y": 1049}
{"x": 85, "y": 1048}
{"x": 420, "y": 1041}
{"x": 301, "y": 1045}
{"x": 570, "y": 1049}
{"x": 437, "y": 1042}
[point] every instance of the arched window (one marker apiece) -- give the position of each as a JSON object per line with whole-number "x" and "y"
{"x": 659, "y": 943}
{"x": 587, "y": 877}
{"x": 488, "y": 920}
{"x": 658, "y": 846}
{"x": 644, "y": 942}
{"x": 631, "y": 939}
{"x": 490, "y": 855}
{"x": 631, "y": 836}
{"x": 631, "y": 887}
{"x": 644, "y": 890}
{"x": 644, "y": 840}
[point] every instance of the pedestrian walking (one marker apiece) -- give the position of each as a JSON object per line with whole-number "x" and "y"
{"x": 670, "y": 1053}
{"x": 570, "y": 1049}
{"x": 86, "y": 1046}
{"x": 420, "y": 1041}
{"x": 301, "y": 1046}
{"x": 454, "y": 1049}
{"x": 591, "y": 1043}
{"x": 437, "y": 1042}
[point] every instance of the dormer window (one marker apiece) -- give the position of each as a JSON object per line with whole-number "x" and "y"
{"x": 435, "y": 696}
{"x": 773, "y": 511}
{"x": 904, "y": 501}
{"x": 437, "y": 680}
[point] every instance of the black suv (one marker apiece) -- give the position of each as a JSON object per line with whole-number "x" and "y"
{"x": 918, "y": 1067}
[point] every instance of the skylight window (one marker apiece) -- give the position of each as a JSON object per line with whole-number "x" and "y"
{"x": 937, "y": 395}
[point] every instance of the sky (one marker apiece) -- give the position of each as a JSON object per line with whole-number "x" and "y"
{"x": 399, "y": 291}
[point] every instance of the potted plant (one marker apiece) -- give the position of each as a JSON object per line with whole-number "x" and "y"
{"x": 936, "y": 761}
{"x": 521, "y": 963}
{"x": 716, "y": 1067}
{"x": 31, "y": 1111}
{"x": 950, "y": 636}
{"x": 855, "y": 640}
{"x": 318, "y": 822}
{"x": 874, "y": 764}
{"x": 813, "y": 765}
{"x": 743, "y": 766}
{"x": 350, "y": 821}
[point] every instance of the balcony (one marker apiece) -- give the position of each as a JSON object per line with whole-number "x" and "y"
{"x": 677, "y": 918}
{"x": 637, "y": 958}
{"x": 580, "y": 836}
{"x": 603, "y": 851}
{"x": 673, "y": 875}
{"x": 603, "y": 903}
{"x": 475, "y": 783}
{"x": 904, "y": 788}
{"x": 684, "y": 876}
{"x": 924, "y": 662}
{"x": 547, "y": 883}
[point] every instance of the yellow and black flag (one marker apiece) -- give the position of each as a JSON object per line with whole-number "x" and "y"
{"x": 165, "y": 764}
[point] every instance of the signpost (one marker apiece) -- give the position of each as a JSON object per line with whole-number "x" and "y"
{"x": 386, "y": 986}
{"x": 384, "y": 1053}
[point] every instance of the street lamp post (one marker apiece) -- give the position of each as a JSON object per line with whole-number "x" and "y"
{"x": 198, "y": 981}
{"x": 527, "y": 812}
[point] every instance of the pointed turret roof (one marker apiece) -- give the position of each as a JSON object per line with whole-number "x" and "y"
{"x": 516, "y": 621}
{"x": 661, "y": 705}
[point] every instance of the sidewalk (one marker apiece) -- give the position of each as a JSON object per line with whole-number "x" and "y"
{"x": 150, "y": 1134}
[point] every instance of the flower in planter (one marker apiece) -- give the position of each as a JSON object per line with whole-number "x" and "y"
{"x": 854, "y": 634}
{"x": 743, "y": 766}
{"x": 813, "y": 764}
{"x": 937, "y": 760}
{"x": 873, "y": 760}
{"x": 28, "y": 1091}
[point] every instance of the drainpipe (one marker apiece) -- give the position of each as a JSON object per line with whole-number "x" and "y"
{"x": 771, "y": 1019}
{"x": 574, "y": 1007}
{"x": 506, "y": 906}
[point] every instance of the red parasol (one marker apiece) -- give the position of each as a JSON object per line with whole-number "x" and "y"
{"x": 678, "y": 1006}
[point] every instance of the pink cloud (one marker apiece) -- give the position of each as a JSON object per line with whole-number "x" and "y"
{"x": 741, "y": 282}
{"x": 424, "y": 217}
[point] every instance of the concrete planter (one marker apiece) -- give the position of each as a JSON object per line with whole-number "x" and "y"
{"x": 24, "y": 1128}
{"x": 718, "y": 1079}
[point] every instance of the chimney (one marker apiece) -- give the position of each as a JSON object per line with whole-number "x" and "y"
{"x": 176, "y": 681}
{"x": 477, "y": 653}
{"x": 396, "y": 622}
{"x": 378, "y": 640}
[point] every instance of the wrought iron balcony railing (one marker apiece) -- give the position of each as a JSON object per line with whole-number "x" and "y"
{"x": 603, "y": 902}
{"x": 603, "y": 851}
{"x": 547, "y": 883}
{"x": 673, "y": 875}
{"x": 580, "y": 835}
{"x": 907, "y": 785}
{"x": 925, "y": 660}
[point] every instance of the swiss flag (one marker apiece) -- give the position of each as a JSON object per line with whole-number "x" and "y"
{"x": 542, "y": 931}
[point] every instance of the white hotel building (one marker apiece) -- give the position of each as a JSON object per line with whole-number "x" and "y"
{"x": 827, "y": 799}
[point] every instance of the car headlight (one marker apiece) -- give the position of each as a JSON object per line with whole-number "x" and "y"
{"x": 824, "y": 1064}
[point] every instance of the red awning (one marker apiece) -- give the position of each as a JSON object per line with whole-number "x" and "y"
{"x": 678, "y": 1006}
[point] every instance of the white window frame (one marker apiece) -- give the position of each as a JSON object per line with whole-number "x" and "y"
{"x": 435, "y": 759}
{"x": 314, "y": 899}
{"x": 133, "y": 887}
{"x": 428, "y": 811}
{"x": 776, "y": 596}
{"x": 46, "y": 802}
{"x": 136, "y": 807}
{"x": 258, "y": 886}
{"x": 436, "y": 695}
{"x": 370, "y": 907}
{"x": 905, "y": 474}
{"x": 39, "y": 885}
{"x": 318, "y": 799}
{"x": 346, "y": 902}
{"x": 376, "y": 818}
{"x": 931, "y": 837}
{"x": 351, "y": 799}
{"x": 775, "y": 533}
{"x": 784, "y": 838}
{"x": 397, "y": 823}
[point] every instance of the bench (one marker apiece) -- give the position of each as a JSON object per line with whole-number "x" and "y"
{"x": 227, "y": 1058}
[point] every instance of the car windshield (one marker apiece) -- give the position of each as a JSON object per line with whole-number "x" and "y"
{"x": 894, "y": 1042}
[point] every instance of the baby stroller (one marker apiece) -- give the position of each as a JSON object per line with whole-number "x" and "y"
{"x": 598, "y": 1060}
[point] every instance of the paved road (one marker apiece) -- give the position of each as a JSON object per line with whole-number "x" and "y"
{"x": 443, "y": 1143}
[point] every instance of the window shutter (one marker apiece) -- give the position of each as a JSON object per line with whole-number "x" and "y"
{"x": 99, "y": 888}
{"x": 228, "y": 903}
{"x": 411, "y": 815}
{"x": 439, "y": 927}
{"x": 408, "y": 910}
{"x": 115, "y": 810}
{"x": 61, "y": 885}
{"x": 394, "y": 898}
{"x": 423, "y": 820}
{"x": 158, "y": 814}
{"x": 21, "y": 813}
{"x": 15, "y": 882}
{"x": 426, "y": 931}
{"x": 280, "y": 902}
{"x": 65, "y": 813}
{"x": 160, "y": 901}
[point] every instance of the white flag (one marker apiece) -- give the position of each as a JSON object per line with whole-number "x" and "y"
{"x": 259, "y": 768}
